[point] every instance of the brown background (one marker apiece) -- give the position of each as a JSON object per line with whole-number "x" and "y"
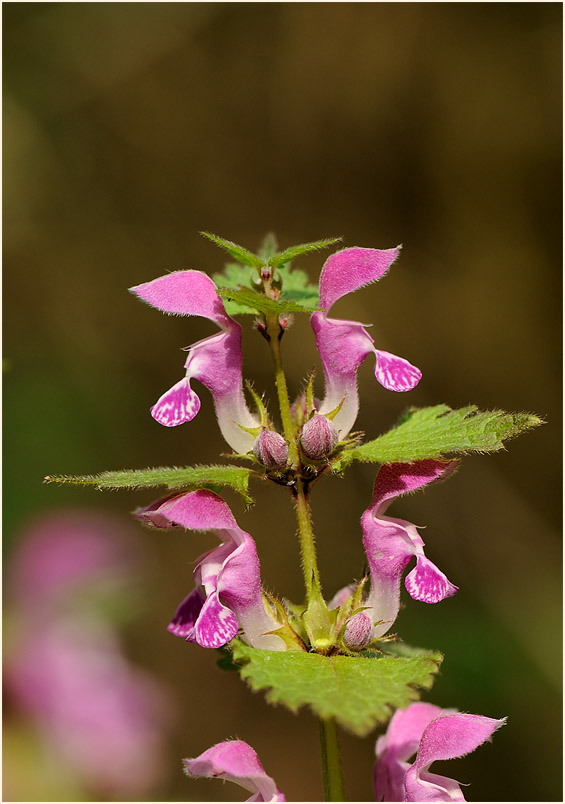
{"x": 129, "y": 127}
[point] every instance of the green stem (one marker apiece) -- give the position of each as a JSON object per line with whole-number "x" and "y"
{"x": 274, "y": 333}
{"x": 307, "y": 544}
{"x": 331, "y": 761}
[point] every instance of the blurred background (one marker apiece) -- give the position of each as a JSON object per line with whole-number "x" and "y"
{"x": 130, "y": 127}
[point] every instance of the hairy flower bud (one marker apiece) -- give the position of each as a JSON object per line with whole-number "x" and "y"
{"x": 271, "y": 449}
{"x": 319, "y": 437}
{"x": 358, "y": 631}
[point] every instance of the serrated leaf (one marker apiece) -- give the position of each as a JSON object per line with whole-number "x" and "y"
{"x": 173, "y": 477}
{"x": 304, "y": 248}
{"x": 358, "y": 692}
{"x": 259, "y": 303}
{"x": 295, "y": 287}
{"x": 233, "y": 277}
{"x": 239, "y": 253}
{"x": 439, "y": 432}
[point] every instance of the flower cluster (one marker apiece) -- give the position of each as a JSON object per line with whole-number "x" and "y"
{"x": 227, "y": 600}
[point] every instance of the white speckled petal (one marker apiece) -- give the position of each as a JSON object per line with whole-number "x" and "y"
{"x": 428, "y": 583}
{"x": 177, "y": 405}
{"x": 394, "y": 373}
{"x": 216, "y": 624}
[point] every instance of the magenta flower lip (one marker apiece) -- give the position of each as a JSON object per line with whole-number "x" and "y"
{"x": 235, "y": 761}
{"x": 432, "y": 734}
{"x": 215, "y": 361}
{"x": 391, "y": 543}
{"x": 344, "y": 345}
{"x": 227, "y": 597}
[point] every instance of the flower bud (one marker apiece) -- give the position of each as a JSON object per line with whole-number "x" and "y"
{"x": 319, "y": 437}
{"x": 271, "y": 449}
{"x": 358, "y": 632}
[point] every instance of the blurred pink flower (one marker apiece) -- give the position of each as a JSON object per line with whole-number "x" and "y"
{"x": 107, "y": 718}
{"x": 60, "y": 552}
{"x": 65, "y": 670}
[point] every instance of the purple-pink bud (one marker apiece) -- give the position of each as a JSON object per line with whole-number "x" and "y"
{"x": 271, "y": 449}
{"x": 319, "y": 437}
{"x": 358, "y": 631}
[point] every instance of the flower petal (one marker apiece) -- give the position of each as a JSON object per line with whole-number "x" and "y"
{"x": 428, "y": 583}
{"x": 230, "y": 573}
{"x": 395, "y": 479}
{"x": 394, "y": 373}
{"x": 390, "y": 543}
{"x": 184, "y": 293}
{"x": 177, "y": 405}
{"x": 182, "y": 624}
{"x": 216, "y": 362}
{"x": 447, "y": 737}
{"x": 216, "y": 624}
{"x": 343, "y": 346}
{"x": 394, "y": 748}
{"x": 405, "y": 729}
{"x": 235, "y": 761}
{"x": 350, "y": 269}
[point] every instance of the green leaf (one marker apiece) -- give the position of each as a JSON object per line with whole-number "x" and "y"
{"x": 358, "y": 692}
{"x": 241, "y": 254}
{"x": 268, "y": 247}
{"x": 234, "y": 276}
{"x": 260, "y": 303}
{"x": 173, "y": 477}
{"x": 295, "y": 288}
{"x": 295, "y": 251}
{"x": 438, "y": 432}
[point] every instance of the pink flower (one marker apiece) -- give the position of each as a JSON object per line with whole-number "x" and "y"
{"x": 99, "y": 716}
{"x": 105, "y": 717}
{"x": 228, "y": 594}
{"x": 344, "y": 345}
{"x": 235, "y": 761}
{"x": 62, "y": 553}
{"x": 215, "y": 361}
{"x": 390, "y": 544}
{"x": 432, "y": 734}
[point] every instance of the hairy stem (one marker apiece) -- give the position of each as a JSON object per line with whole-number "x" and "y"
{"x": 274, "y": 333}
{"x": 331, "y": 761}
{"x": 307, "y": 544}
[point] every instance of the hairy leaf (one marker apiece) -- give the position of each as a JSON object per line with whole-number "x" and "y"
{"x": 304, "y": 248}
{"x": 438, "y": 432}
{"x": 234, "y": 277}
{"x": 259, "y": 303}
{"x": 239, "y": 253}
{"x": 359, "y": 692}
{"x": 173, "y": 477}
{"x": 295, "y": 288}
